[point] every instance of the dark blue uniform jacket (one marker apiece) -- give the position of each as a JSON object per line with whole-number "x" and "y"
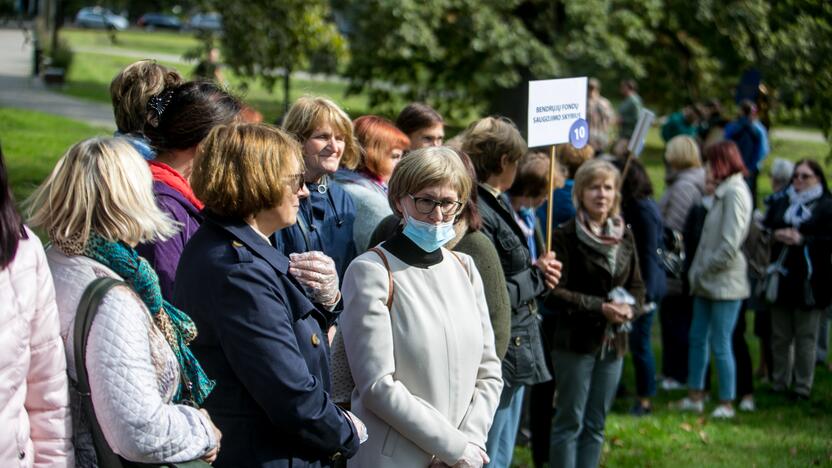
{"x": 325, "y": 223}
{"x": 264, "y": 343}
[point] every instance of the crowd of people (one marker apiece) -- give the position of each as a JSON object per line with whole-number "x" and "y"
{"x": 337, "y": 292}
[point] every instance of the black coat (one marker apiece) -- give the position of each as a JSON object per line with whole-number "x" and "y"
{"x": 585, "y": 283}
{"x": 525, "y": 360}
{"x": 265, "y": 345}
{"x": 817, "y": 243}
{"x": 643, "y": 217}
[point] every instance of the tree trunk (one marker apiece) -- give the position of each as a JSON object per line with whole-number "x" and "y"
{"x": 286, "y": 78}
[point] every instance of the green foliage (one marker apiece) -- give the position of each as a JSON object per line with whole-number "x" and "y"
{"x": 266, "y": 40}
{"x": 62, "y": 56}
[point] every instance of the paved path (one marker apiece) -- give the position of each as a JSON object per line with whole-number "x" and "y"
{"x": 18, "y": 88}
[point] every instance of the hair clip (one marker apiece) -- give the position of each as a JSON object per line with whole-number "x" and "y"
{"x": 160, "y": 102}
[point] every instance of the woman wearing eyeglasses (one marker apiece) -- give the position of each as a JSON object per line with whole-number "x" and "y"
{"x": 416, "y": 328}
{"x": 801, "y": 221}
{"x": 260, "y": 337}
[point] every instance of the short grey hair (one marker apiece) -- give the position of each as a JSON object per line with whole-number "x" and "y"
{"x": 782, "y": 170}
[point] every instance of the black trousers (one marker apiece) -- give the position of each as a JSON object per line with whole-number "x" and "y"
{"x": 742, "y": 357}
{"x": 675, "y": 315}
{"x": 541, "y": 399}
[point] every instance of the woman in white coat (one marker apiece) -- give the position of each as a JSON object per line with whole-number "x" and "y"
{"x": 417, "y": 332}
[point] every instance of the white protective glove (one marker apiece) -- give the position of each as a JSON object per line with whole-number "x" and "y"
{"x": 360, "y": 428}
{"x": 472, "y": 457}
{"x": 316, "y": 272}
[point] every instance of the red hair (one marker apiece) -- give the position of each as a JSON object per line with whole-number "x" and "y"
{"x": 725, "y": 160}
{"x": 378, "y": 137}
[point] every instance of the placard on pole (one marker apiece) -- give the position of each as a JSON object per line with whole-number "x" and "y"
{"x": 557, "y": 114}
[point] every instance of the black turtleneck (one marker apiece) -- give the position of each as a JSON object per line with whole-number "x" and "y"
{"x": 407, "y": 251}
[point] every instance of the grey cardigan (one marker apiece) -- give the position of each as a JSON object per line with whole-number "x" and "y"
{"x": 684, "y": 190}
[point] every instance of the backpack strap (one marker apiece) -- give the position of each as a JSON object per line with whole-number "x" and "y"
{"x": 87, "y": 309}
{"x": 380, "y": 253}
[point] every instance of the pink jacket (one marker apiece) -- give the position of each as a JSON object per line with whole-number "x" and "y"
{"x": 34, "y": 398}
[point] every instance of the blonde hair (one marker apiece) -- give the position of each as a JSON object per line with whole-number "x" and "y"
{"x": 428, "y": 167}
{"x": 310, "y": 113}
{"x": 588, "y": 173}
{"x": 133, "y": 87}
{"x": 682, "y": 153}
{"x": 487, "y": 140}
{"x": 241, "y": 169}
{"x": 100, "y": 185}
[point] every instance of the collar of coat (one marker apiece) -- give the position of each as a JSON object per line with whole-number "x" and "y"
{"x": 253, "y": 241}
{"x": 624, "y": 252}
{"x": 489, "y": 199}
{"x": 728, "y": 184}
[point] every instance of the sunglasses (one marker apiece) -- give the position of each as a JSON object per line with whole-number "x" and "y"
{"x": 295, "y": 181}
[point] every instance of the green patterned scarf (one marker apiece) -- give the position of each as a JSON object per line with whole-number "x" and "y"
{"x": 179, "y": 330}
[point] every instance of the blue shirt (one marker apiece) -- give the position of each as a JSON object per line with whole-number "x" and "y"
{"x": 751, "y": 138}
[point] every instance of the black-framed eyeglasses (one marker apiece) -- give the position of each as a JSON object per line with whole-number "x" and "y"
{"x": 295, "y": 181}
{"x": 428, "y": 205}
{"x": 802, "y": 176}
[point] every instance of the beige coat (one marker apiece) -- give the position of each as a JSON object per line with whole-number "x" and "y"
{"x": 427, "y": 378}
{"x": 719, "y": 268}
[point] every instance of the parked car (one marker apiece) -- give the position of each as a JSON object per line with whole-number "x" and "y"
{"x": 99, "y": 18}
{"x": 159, "y": 21}
{"x": 206, "y": 22}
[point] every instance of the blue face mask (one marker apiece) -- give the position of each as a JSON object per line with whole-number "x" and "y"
{"x": 428, "y": 236}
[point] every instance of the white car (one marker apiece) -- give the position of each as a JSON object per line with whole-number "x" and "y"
{"x": 100, "y": 18}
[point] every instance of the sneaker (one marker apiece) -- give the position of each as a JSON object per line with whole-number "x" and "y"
{"x": 723, "y": 412}
{"x": 688, "y": 404}
{"x": 747, "y": 405}
{"x": 639, "y": 410}
{"x": 667, "y": 384}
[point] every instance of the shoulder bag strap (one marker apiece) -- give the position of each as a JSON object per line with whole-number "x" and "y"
{"x": 458, "y": 259}
{"x": 380, "y": 253}
{"x": 84, "y": 317}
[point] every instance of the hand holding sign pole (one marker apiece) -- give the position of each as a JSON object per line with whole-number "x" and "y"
{"x": 557, "y": 114}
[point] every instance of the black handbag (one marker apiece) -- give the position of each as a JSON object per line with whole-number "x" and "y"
{"x": 672, "y": 253}
{"x": 87, "y": 309}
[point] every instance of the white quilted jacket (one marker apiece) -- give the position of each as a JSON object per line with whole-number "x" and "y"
{"x": 35, "y": 426}
{"x": 132, "y": 373}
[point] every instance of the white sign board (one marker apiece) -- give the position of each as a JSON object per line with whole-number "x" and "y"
{"x": 636, "y": 143}
{"x": 554, "y": 105}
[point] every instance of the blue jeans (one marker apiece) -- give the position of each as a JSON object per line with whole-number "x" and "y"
{"x": 713, "y": 321}
{"x": 586, "y": 390}
{"x": 503, "y": 433}
{"x": 642, "y": 351}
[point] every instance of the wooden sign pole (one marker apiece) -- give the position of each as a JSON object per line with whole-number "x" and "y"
{"x": 550, "y": 204}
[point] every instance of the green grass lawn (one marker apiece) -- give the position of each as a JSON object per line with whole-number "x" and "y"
{"x": 781, "y": 433}
{"x": 91, "y": 74}
{"x": 33, "y": 142}
{"x": 134, "y": 39}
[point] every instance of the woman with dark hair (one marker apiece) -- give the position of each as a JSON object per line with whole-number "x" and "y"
{"x": 422, "y": 124}
{"x": 801, "y": 222}
{"x": 469, "y": 240}
{"x": 177, "y": 120}
{"x": 34, "y": 400}
{"x": 641, "y": 213}
{"x": 719, "y": 279}
{"x": 382, "y": 146}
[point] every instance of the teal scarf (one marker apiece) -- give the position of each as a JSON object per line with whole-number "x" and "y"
{"x": 179, "y": 330}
